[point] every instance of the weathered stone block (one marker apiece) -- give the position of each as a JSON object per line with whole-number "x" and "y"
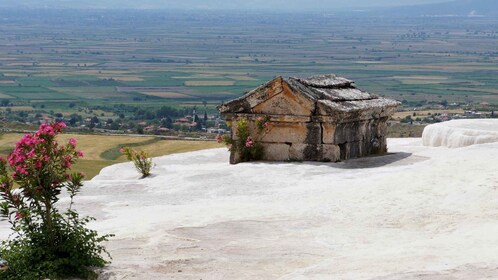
{"x": 347, "y": 132}
{"x": 313, "y": 152}
{"x": 276, "y": 152}
{"x": 328, "y": 133}
{"x": 351, "y": 150}
{"x": 331, "y": 153}
{"x": 296, "y": 152}
{"x": 286, "y": 133}
{"x": 291, "y": 119}
{"x": 314, "y": 133}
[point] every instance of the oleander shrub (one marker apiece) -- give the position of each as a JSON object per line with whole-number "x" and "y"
{"x": 46, "y": 242}
{"x": 246, "y": 145}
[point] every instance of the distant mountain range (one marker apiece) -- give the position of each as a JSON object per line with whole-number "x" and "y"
{"x": 413, "y": 8}
{"x": 251, "y": 5}
{"x": 471, "y": 8}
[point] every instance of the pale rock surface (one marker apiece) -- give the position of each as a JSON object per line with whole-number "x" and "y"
{"x": 461, "y": 133}
{"x": 417, "y": 213}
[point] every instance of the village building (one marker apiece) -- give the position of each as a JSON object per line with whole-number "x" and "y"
{"x": 321, "y": 118}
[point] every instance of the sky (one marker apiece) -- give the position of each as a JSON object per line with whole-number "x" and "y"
{"x": 214, "y": 4}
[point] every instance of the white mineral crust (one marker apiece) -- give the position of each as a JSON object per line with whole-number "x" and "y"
{"x": 417, "y": 213}
{"x": 461, "y": 133}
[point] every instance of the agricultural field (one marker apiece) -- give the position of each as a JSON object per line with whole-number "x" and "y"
{"x": 103, "y": 150}
{"x": 164, "y": 72}
{"x": 85, "y": 58}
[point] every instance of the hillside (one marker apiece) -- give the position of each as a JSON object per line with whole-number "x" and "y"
{"x": 417, "y": 213}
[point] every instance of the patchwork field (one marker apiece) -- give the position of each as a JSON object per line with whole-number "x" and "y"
{"x": 165, "y": 94}
{"x": 208, "y": 83}
{"x": 5, "y": 96}
{"x": 191, "y": 59}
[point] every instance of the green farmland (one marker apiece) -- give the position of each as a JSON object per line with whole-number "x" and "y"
{"x": 175, "y": 59}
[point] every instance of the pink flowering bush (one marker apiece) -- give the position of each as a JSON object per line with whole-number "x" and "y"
{"x": 141, "y": 160}
{"x": 46, "y": 243}
{"x": 247, "y": 146}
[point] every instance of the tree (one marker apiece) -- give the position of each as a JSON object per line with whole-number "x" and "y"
{"x": 95, "y": 120}
{"x": 4, "y": 102}
{"x": 407, "y": 119}
{"x": 198, "y": 126}
{"x": 115, "y": 126}
{"x": 167, "y": 122}
{"x": 75, "y": 118}
{"x": 166, "y": 111}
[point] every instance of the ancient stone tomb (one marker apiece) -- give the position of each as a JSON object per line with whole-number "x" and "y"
{"x": 321, "y": 118}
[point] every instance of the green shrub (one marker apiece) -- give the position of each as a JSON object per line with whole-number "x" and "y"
{"x": 141, "y": 160}
{"x": 247, "y": 146}
{"x": 46, "y": 243}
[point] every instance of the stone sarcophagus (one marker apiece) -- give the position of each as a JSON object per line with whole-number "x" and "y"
{"x": 321, "y": 118}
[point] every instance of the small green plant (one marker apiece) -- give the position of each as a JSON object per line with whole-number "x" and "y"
{"x": 246, "y": 145}
{"x": 141, "y": 160}
{"x": 46, "y": 242}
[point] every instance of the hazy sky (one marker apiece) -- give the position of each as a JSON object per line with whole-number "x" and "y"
{"x": 214, "y": 4}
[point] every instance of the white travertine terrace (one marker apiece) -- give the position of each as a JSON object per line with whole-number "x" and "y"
{"x": 461, "y": 133}
{"x": 417, "y": 213}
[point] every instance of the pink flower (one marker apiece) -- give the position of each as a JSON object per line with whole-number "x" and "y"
{"x": 72, "y": 142}
{"x": 79, "y": 153}
{"x": 18, "y": 215}
{"x": 122, "y": 150}
{"x": 21, "y": 170}
{"x": 249, "y": 142}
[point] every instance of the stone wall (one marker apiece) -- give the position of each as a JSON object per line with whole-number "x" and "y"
{"x": 302, "y": 138}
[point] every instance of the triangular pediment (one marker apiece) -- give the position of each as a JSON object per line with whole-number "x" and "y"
{"x": 277, "y": 97}
{"x": 286, "y": 102}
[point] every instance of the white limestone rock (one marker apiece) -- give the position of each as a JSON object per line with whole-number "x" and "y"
{"x": 416, "y": 213}
{"x": 461, "y": 133}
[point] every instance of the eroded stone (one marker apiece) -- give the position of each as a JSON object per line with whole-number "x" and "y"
{"x": 322, "y": 118}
